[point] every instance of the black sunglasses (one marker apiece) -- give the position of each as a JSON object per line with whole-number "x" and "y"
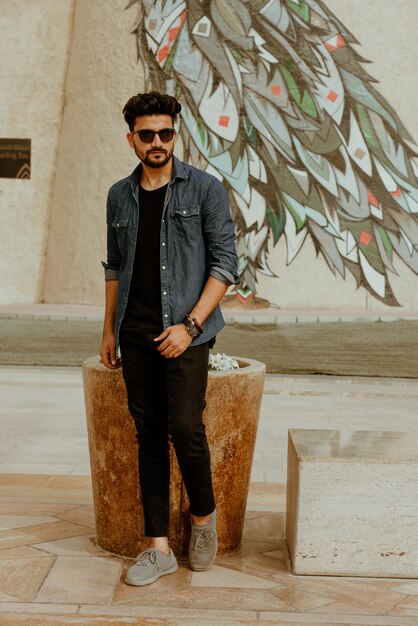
{"x": 147, "y": 136}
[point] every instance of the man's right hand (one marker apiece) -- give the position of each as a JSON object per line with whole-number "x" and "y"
{"x": 108, "y": 353}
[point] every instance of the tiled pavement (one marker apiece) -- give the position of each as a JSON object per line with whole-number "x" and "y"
{"x": 52, "y": 573}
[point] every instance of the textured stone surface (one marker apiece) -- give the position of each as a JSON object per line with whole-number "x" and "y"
{"x": 34, "y": 44}
{"x": 352, "y": 506}
{"x": 231, "y": 419}
{"x": 178, "y": 599}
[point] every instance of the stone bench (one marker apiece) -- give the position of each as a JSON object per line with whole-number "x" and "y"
{"x": 231, "y": 416}
{"x": 352, "y": 503}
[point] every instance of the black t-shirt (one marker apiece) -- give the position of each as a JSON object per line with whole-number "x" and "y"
{"x": 143, "y": 310}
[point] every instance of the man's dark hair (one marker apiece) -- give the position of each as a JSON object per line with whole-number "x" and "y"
{"x": 152, "y": 103}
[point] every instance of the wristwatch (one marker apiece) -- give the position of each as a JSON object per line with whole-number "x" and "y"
{"x": 192, "y": 326}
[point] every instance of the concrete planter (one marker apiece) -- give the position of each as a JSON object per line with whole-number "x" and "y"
{"x": 231, "y": 416}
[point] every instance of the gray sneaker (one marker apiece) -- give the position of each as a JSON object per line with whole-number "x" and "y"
{"x": 149, "y": 566}
{"x": 203, "y": 545}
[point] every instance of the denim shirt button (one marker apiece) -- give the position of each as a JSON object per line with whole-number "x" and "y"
{"x": 163, "y": 267}
{"x": 165, "y": 315}
{"x": 163, "y": 244}
{"x": 164, "y": 293}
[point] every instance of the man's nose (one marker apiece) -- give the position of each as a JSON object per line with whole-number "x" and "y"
{"x": 156, "y": 142}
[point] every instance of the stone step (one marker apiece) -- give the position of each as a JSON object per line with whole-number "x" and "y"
{"x": 352, "y": 504}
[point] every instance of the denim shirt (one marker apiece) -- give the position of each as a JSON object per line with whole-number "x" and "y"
{"x": 197, "y": 241}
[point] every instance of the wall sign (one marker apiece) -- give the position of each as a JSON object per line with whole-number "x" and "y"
{"x": 15, "y": 158}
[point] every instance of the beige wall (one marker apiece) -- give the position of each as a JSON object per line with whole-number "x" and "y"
{"x": 34, "y": 47}
{"x": 92, "y": 153}
{"x": 103, "y": 73}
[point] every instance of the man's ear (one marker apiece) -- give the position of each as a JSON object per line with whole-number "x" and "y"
{"x": 130, "y": 138}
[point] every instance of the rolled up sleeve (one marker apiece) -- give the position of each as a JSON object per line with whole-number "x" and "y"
{"x": 114, "y": 257}
{"x": 219, "y": 234}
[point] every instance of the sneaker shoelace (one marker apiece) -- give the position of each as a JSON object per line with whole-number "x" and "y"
{"x": 149, "y": 557}
{"x": 202, "y": 539}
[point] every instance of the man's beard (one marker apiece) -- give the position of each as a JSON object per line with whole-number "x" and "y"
{"x": 166, "y": 156}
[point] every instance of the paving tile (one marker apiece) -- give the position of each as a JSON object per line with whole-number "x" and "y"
{"x": 280, "y": 554}
{"x": 257, "y": 474}
{"x": 40, "y": 533}
{"x": 67, "y": 429}
{"x": 66, "y": 620}
{"x": 34, "y": 468}
{"x": 22, "y": 608}
{"x": 207, "y": 621}
{"x": 21, "y": 578}
{"x": 199, "y": 598}
{"x": 4, "y": 597}
{"x": 408, "y": 607}
{"x": 264, "y": 493}
{"x": 8, "y": 480}
{"x": 20, "y": 521}
{"x": 384, "y": 583}
{"x": 308, "y": 619}
{"x": 21, "y": 553}
{"x": 81, "y": 580}
{"x": 166, "y": 611}
{"x": 410, "y": 587}
{"x": 81, "y": 470}
{"x": 346, "y": 608}
{"x": 252, "y": 514}
{"x": 82, "y": 515}
{"x": 262, "y": 566}
{"x": 84, "y": 545}
{"x": 58, "y": 451}
{"x": 43, "y": 509}
{"x": 256, "y": 563}
{"x": 270, "y": 527}
{"x": 38, "y": 488}
{"x": 222, "y": 577}
{"x": 69, "y": 482}
{"x": 304, "y": 601}
{"x": 345, "y": 590}
{"x": 250, "y": 546}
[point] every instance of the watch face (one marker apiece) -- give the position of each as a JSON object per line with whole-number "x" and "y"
{"x": 191, "y": 327}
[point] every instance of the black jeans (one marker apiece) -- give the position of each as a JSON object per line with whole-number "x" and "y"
{"x": 167, "y": 397}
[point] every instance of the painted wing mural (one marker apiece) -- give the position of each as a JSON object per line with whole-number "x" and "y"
{"x": 277, "y": 104}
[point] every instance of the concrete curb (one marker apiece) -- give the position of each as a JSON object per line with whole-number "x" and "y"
{"x": 233, "y": 318}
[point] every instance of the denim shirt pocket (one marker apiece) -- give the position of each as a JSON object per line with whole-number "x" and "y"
{"x": 186, "y": 222}
{"x": 120, "y": 225}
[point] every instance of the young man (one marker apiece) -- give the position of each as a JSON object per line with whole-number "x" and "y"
{"x": 171, "y": 257}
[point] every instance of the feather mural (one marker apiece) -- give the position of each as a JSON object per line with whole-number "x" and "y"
{"x": 277, "y": 104}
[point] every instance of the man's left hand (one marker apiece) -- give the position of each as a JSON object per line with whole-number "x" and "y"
{"x": 174, "y": 341}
